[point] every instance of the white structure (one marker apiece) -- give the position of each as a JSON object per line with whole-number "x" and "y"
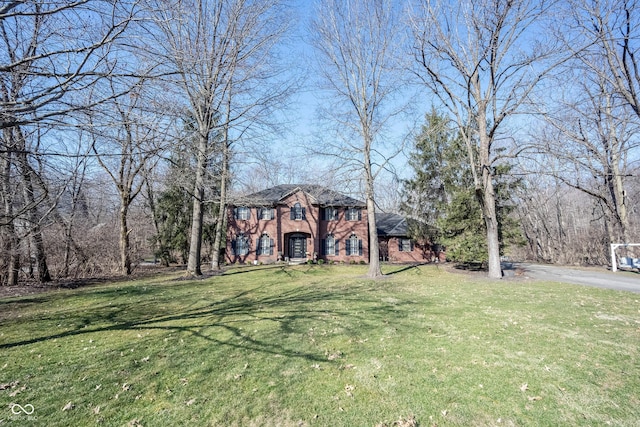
{"x": 614, "y": 265}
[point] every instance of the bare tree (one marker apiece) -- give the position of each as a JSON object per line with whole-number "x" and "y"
{"x": 357, "y": 43}
{"x": 52, "y": 51}
{"x": 217, "y": 50}
{"x": 613, "y": 29}
{"x": 50, "y": 54}
{"x": 482, "y": 59}
{"x": 594, "y": 136}
{"x": 128, "y": 134}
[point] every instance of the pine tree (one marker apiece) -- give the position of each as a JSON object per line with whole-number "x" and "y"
{"x": 440, "y": 200}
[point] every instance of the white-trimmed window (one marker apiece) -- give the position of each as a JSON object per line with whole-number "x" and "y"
{"x": 330, "y": 214}
{"x": 353, "y": 214}
{"x": 330, "y": 246}
{"x": 243, "y": 213}
{"x": 241, "y": 244}
{"x": 405, "y": 245}
{"x": 353, "y": 246}
{"x": 298, "y": 212}
{"x": 265, "y": 213}
{"x": 264, "y": 245}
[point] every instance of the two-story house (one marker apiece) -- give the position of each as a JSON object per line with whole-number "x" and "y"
{"x": 311, "y": 222}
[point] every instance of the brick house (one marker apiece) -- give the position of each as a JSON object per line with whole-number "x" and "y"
{"x": 397, "y": 246}
{"x": 310, "y": 222}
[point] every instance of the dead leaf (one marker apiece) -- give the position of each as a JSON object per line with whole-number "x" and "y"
{"x": 17, "y": 391}
{"x": 12, "y": 384}
{"x": 190, "y": 402}
{"x": 402, "y": 422}
{"x": 524, "y": 387}
{"x": 126, "y": 387}
{"x": 134, "y": 423}
{"x": 534, "y": 398}
{"x": 96, "y": 410}
{"x": 349, "y": 389}
{"x": 69, "y": 406}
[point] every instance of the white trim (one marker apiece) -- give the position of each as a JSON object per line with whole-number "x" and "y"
{"x": 614, "y": 246}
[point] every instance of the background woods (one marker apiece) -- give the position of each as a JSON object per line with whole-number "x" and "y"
{"x": 125, "y": 125}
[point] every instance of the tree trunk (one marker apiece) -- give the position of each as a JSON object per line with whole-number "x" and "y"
{"x": 35, "y": 232}
{"x": 195, "y": 247}
{"x": 7, "y": 230}
{"x": 488, "y": 204}
{"x": 487, "y": 198}
{"x": 215, "y": 261}
{"x": 374, "y": 244}
{"x": 125, "y": 256}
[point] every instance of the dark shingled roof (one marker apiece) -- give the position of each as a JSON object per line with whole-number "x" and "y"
{"x": 390, "y": 224}
{"x": 320, "y": 195}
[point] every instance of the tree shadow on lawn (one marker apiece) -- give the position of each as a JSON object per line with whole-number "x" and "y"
{"x": 292, "y": 309}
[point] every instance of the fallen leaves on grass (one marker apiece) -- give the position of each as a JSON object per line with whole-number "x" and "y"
{"x": 524, "y": 387}
{"x": 69, "y": 406}
{"x": 334, "y": 355}
{"x": 410, "y": 421}
{"x": 12, "y": 384}
{"x": 349, "y": 389}
{"x": 17, "y": 391}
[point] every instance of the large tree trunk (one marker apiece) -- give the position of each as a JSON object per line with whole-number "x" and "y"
{"x": 488, "y": 203}
{"x": 374, "y": 244}
{"x": 7, "y": 230}
{"x": 195, "y": 247}
{"x": 487, "y": 197}
{"x": 35, "y": 232}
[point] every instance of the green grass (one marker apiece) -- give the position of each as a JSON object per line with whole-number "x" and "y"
{"x": 322, "y": 346}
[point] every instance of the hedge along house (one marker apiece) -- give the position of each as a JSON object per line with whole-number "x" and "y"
{"x": 298, "y": 223}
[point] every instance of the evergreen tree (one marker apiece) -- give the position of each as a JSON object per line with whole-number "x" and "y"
{"x": 440, "y": 200}
{"x": 173, "y": 213}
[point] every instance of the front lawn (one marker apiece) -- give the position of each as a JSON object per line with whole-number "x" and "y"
{"x": 321, "y": 346}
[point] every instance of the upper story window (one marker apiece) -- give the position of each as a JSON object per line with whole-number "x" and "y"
{"x": 242, "y": 212}
{"x": 353, "y": 214}
{"x": 298, "y": 212}
{"x": 265, "y": 213}
{"x": 330, "y": 214}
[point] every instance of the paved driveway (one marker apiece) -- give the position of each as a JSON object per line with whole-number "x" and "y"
{"x": 621, "y": 280}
